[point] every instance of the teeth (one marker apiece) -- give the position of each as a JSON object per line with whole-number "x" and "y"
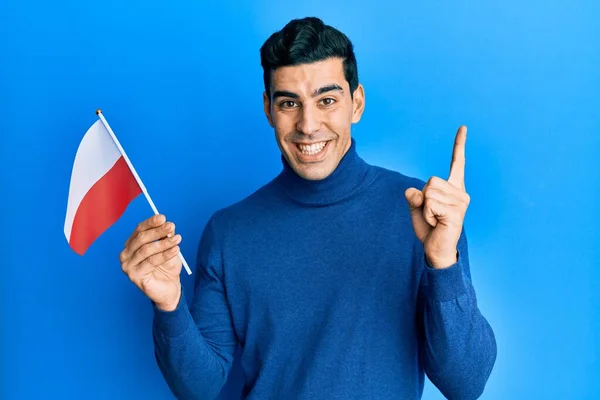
{"x": 312, "y": 149}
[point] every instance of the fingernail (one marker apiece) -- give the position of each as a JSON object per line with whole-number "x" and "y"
{"x": 176, "y": 238}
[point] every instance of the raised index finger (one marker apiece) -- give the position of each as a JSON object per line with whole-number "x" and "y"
{"x": 457, "y": 166}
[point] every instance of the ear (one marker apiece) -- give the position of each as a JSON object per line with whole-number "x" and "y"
{"x": 358, "y": 103}
{"x": 267, "y": 108}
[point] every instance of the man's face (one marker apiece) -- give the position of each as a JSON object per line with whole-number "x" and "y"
{"x": 312, "y": 110}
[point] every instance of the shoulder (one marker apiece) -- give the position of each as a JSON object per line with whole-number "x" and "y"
{"x": 395, "y": 181}
{"x": 246, "y": 211}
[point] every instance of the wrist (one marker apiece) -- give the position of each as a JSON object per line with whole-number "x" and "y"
{"x": 171, "y": 303}
{"x": 441, "y": 262}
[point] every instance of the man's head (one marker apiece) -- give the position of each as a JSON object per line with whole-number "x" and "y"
{"x": 312, "y": 95}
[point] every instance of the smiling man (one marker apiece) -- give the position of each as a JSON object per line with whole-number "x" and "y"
{"x": 311, "y": 106}
{"x": 339, "y": 279}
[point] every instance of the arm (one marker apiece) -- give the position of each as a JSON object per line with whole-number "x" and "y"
{"x": 194, "y": 346}
{"x": 457, "y": 347}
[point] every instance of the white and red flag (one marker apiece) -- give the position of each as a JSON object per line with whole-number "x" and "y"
{"x": 103, "y": 183}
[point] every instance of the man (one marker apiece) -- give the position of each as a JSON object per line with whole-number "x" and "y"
{"x": 340, "y": 280}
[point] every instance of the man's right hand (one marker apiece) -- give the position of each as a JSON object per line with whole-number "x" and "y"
{"x": 151, "y": 261}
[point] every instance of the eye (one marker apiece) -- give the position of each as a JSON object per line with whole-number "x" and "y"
{"x": 287, "y": 104}
{"x": 327, "y": 101}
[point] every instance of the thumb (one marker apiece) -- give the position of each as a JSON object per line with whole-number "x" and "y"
{"x": 415, "y": 199}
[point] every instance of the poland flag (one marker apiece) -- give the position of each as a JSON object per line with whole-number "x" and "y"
{"x": 102, "y": 186}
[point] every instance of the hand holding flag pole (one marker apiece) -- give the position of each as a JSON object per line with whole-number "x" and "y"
{"x": 137, "y": 177}
{"x": 103, "y": 183}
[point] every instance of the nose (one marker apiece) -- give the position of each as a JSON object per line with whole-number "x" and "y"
{"x": 309, "y": 121}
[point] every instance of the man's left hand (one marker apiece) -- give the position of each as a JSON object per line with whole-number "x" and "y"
{"x": 438, "y": 210}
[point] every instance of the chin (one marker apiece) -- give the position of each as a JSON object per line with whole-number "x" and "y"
{"x": 313, "y": 172}
{"x": 314, "y": 166}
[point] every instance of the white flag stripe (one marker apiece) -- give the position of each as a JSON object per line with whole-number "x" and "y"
{"x": 96, "y": 155}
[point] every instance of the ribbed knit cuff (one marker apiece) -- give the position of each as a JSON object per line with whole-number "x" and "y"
{"x": 174, "y": 323}
{"x": 446, "y": 283}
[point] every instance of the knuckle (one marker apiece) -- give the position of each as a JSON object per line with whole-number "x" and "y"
{"x": 164, "y": 256}
{"x": 154, "y": 248}
{"x": 134, "y": 240}
{"x": 164, "y": 244}
{"x": 123, "y": 256}
{"x": 434, "y": 182}
{"x": 168, "y": 227}
{"x": 142, "y": 237}
{"x": 145, "y": 251}
{"x": 155, "y": 259}
{"x": 427, "y": 209}
{"x": 172, "y": 241}
{"x": 433, "y": 193}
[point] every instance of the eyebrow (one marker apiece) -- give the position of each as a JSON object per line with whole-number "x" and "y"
{"x": 320, "y": 91}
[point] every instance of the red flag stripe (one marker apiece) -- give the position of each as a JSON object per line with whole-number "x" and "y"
{"x": 103, "y": 205}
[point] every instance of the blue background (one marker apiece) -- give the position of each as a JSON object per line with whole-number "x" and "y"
{"x": 181, "y": 85}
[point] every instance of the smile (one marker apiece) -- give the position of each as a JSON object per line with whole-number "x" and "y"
{"x": 311, "y": 149}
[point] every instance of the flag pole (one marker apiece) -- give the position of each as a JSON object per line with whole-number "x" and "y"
{"x": 137, "y": 177}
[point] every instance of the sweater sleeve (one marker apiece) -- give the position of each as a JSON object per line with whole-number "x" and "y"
{"x": 458, "y": 347}
{"x": 194, "y": 346}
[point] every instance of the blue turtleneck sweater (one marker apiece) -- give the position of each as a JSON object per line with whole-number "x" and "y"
{"x": 327, "y": 290}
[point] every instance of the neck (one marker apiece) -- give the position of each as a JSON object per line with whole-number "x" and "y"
{"x": 343, "y": 182}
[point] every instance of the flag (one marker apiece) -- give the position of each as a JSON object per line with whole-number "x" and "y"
{"x": 102, "y": 186}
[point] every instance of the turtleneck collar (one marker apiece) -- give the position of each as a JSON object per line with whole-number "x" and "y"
{"x": 347, "y": 179}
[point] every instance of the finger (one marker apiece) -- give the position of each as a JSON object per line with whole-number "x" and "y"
{"x": 449, "y": 198}
{"x": 442, "y": 213}
{"x": 150, "y": 249}
{"x": 415, "y": 199}
{"x": 152, "y": 222}
{"x": 163, "y": 256}
{"x": 150, "y": 235}
{"x": 457, "y": 166}
{"x": 173, "y": 265}
{"x": 166, "y": 260}
{"x": 430, "y": 207}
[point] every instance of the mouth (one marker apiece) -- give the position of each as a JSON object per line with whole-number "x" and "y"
{"x": 312, "y": 151}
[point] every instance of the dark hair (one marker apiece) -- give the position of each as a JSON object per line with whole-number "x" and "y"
{"x": 304, "y": 41}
